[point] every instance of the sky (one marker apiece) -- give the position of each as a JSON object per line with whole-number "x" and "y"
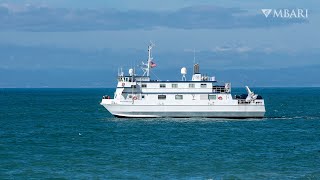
{"x": 78, "y": 43}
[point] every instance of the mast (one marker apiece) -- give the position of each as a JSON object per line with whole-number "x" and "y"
{"x": 147, "y": 67}
{"x": 149, "y": 59}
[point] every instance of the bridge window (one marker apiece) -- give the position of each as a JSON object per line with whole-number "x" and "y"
{"x": 179, "y": 97}
{"x": 162, "y": 97}
{"x": 191, "y": 85}
{"x": 144, "y": 85}
{"x": 121, "y": 79}
{"x": 203, "y": 85}
{"x": 162, "y": 85}
{"x": 174, "y": 85}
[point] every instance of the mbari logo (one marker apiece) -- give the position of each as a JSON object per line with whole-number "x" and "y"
{"x": 285, "y": 13}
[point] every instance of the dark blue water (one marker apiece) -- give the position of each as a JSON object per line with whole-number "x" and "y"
{"x": 65, "y": 133}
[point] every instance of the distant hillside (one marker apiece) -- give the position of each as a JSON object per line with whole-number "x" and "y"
{"x": 284, "y": 77}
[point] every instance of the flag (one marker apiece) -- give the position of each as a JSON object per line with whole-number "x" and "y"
{"x": 152, "y": 64}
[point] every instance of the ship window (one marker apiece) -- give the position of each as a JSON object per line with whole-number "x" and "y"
{"x": 174, "y": 85}
{"x": 130, "y": 96}
{"x": 203, "y": 97}
{"x": 162, "y": 97}
{"x": 162, "y": 85}
{"x": 142, "y": 96}
{"x": 203, "y": 85}
{"x": 120, "y": 79}
{"x": 212, "y": 97}
{"x": 191, "y": 85}
{"x": 179, "y": 97}
{"x": 144, "y": 85}
{"x": 133, "y": 86}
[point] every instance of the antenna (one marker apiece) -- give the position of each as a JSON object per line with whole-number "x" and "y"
{"x": 152, "y": 44}
{"x": 194, "y": 55}
{"x": 121, "y": 72}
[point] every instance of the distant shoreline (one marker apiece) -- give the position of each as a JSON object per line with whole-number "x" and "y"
{"x": 271, "y": 87}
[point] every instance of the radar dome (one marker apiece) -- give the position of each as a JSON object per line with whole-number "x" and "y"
{"x": 183, "y": 71}
{"x": 131, "y": 72}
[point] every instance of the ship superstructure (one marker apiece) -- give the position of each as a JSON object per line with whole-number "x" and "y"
{"x": 139, "y": 96}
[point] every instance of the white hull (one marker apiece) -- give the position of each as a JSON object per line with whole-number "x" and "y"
{"x": 211, "y": 111}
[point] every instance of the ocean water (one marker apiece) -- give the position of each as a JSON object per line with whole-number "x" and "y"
{"x": 66, "y": 134}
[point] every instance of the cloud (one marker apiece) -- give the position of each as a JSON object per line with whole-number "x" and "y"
{"x": 232, "y": 48}
{"x": 222, "y": 49}
{"x": 30, "y": 17}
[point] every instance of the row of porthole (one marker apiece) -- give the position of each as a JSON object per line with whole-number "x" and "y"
{"x": 175, "y": 85}
{"x": 178, "y": 97}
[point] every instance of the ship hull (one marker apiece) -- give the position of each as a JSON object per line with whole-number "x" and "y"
{"x": 185, "y": 111}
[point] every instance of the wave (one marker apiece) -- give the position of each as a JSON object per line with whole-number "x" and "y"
{"x": 292, "y": 117}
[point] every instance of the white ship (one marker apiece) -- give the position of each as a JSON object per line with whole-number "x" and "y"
{"x": 139, "y": 96}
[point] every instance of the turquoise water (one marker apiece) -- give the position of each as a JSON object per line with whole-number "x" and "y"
{"x": 65, "y": 133}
